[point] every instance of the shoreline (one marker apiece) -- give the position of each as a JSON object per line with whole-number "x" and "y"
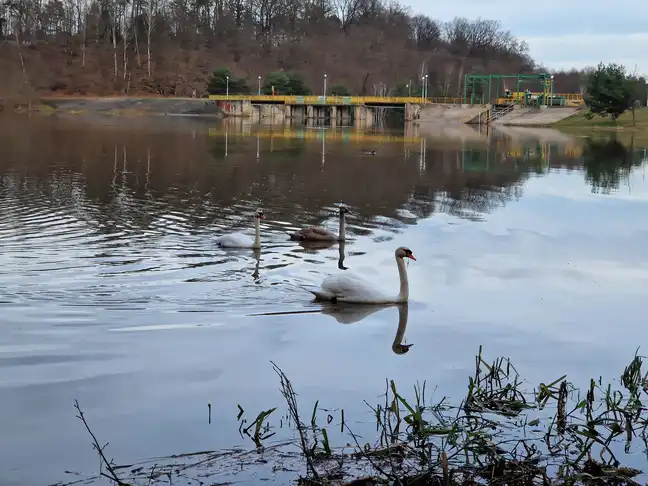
{"x": 115, "y": 106}
{"x": 152, "y": 105}
{"x": 500, "y": 430}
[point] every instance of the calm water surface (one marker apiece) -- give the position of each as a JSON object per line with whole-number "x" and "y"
{"x": 115, "y": 294}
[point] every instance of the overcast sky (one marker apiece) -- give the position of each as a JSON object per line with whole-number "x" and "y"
{"x": 576, "y": 33}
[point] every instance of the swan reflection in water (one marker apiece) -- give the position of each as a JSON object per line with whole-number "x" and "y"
{"x": 350, "y": 314}
{"x": 315, "y": 246}
{"x": 257, "y": 257}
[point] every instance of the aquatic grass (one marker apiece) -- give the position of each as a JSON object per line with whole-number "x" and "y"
{"x": 501, "y": 432}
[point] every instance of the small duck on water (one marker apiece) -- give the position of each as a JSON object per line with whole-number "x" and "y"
{"x": 370, "y": 152}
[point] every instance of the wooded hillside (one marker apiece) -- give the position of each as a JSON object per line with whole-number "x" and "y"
{"x": 171, "y": 47}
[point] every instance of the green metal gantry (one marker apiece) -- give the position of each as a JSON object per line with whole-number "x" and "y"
{"x": 473, "y": 83}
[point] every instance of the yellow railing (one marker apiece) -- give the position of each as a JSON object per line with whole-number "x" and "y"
{"x": 335, "y": 100}
{"x": 572, "y": 98}
{"x": 447, "y": 100}
{"x": 321, "y": 100}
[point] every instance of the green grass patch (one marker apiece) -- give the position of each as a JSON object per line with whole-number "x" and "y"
{"x": 623, "y": 122}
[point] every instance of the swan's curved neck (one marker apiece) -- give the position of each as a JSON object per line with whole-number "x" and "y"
{"x": 342, "y": 231}
{"x": 257, "y": 232}
{"x": 403, "y": 294}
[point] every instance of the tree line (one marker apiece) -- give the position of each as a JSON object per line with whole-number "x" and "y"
{"x": 172, "y": 46}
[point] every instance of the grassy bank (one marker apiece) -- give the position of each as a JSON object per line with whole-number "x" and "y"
{"x": 579, "y": 120}
{"x": 499, "y": 433}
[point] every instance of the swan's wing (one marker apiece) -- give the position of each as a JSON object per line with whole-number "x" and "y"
{"x": 235, "y": 239}
{"x": 352, "y": 287}
{"x": 319, "y": 231}
{"x": 314, "y": 232}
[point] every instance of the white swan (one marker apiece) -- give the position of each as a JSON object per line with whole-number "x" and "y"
{"x": 317, "y": 233}
{"x": 240, "y": 240}
{"x": 345, "y": 287}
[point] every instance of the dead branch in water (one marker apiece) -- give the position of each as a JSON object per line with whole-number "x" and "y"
{"x": 112, "y": 475}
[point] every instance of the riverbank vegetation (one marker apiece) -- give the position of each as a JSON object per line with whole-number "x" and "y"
{"x": 171, "y": 47}
{"x": 582, "y": 119}
{"x": 614, "y": 99}
{"x": 500, "y": 433}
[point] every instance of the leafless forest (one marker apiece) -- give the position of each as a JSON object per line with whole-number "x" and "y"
{"x": 170, "y": 47}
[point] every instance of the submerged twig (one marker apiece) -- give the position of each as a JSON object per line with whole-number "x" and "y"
{"x": 112, "y": 475}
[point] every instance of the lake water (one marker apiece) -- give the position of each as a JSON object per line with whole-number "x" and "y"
{"x": 115, "y": 293}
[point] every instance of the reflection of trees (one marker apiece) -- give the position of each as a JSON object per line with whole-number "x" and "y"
{"x": 472, "y": 202}
{"x": 606, "y": 162}
{"x": 120, "y": 178}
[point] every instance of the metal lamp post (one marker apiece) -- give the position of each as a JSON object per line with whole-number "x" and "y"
{"x": 426, "y": 86}
{"x": 551, "y": 95}
{"x": 422, "y": 88}
{"x": 259, "y": 85}
{"x": 324, "y": 85}
{"x": 227, "y": 86}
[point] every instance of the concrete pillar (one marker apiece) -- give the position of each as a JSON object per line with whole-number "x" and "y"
{"x": 363, "y": 117}
{"x": 369, "y": 117}
{"x": 246, "y": 108}
{"x": 359, "y": 114}
{"x": 412, "y": 111}
{"x": 309, "y": 111}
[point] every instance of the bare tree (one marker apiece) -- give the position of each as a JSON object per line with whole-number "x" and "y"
{"x": 426, "y": 32}
{"x": 151, "y": 12}
{"x": 19, "y": 12}
{"x": 360, "y": 43}
{"x": 346, "y": 11}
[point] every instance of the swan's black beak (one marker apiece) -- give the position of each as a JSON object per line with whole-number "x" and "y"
{"x": 401, "y": 348}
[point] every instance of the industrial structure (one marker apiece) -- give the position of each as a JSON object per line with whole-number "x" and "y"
{"x": 498, "y": 94}
{"x": 529, "y": 90}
